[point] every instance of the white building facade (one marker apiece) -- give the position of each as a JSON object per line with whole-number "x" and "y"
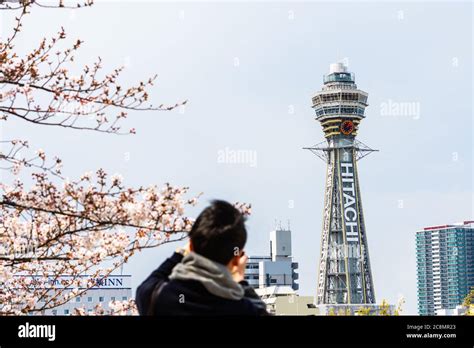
{"x": 277, "y": 269}
{"x": 106, "y": 289}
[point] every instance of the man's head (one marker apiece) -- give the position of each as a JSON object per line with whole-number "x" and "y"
{"x": 219, "y": 233}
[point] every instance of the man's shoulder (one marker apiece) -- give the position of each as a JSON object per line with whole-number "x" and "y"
{"x": 184, "y": 285}
{"x": 191, "y": 295}
{"x": 187, "y": 291}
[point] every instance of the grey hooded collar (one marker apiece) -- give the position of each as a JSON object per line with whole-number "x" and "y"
{"x": 215, "y": 277}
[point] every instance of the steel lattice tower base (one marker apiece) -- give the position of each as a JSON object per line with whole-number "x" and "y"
{"x": 344, "y": 275}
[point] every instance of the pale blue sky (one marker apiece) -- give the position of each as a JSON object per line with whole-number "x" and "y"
{"x": 402, "y": 52}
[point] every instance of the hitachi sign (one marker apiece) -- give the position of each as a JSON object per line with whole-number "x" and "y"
{"x": 349, "y": 198}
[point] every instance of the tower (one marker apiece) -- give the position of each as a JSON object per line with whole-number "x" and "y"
{"x": 344, "y": 275}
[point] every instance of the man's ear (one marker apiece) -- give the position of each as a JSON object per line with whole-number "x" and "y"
{"x": 234, "y": 261}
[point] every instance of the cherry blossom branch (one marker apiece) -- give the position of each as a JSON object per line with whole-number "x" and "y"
{"x": 14, "y": 161}
{"x": 22, "y": 4}
{"x": 70, "y": 231}
{"x": 59, "y": 228}
{"x": 38, "y": 88}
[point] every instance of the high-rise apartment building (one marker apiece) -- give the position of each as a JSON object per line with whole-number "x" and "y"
{"x": 445, "y": 266}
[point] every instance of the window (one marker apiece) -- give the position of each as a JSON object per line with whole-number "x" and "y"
{"x": 89, "y": 299}
{"x": 78, "y": 299}
{"x": 55, "y": 312}
{"x": 101, "y": 298}
{"x": 66, "y": 311}
{"x": 124, "y": 298}
{"x": 112, "y": 298}
{"x": 273, "y": 281}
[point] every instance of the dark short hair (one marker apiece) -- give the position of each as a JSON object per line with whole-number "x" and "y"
{"x": 218, "y": 232}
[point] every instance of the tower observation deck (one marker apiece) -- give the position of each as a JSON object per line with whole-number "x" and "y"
{"x": 344, "y": 275}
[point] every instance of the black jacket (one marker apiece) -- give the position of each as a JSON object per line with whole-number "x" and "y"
{"x": 190, "y": 297}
